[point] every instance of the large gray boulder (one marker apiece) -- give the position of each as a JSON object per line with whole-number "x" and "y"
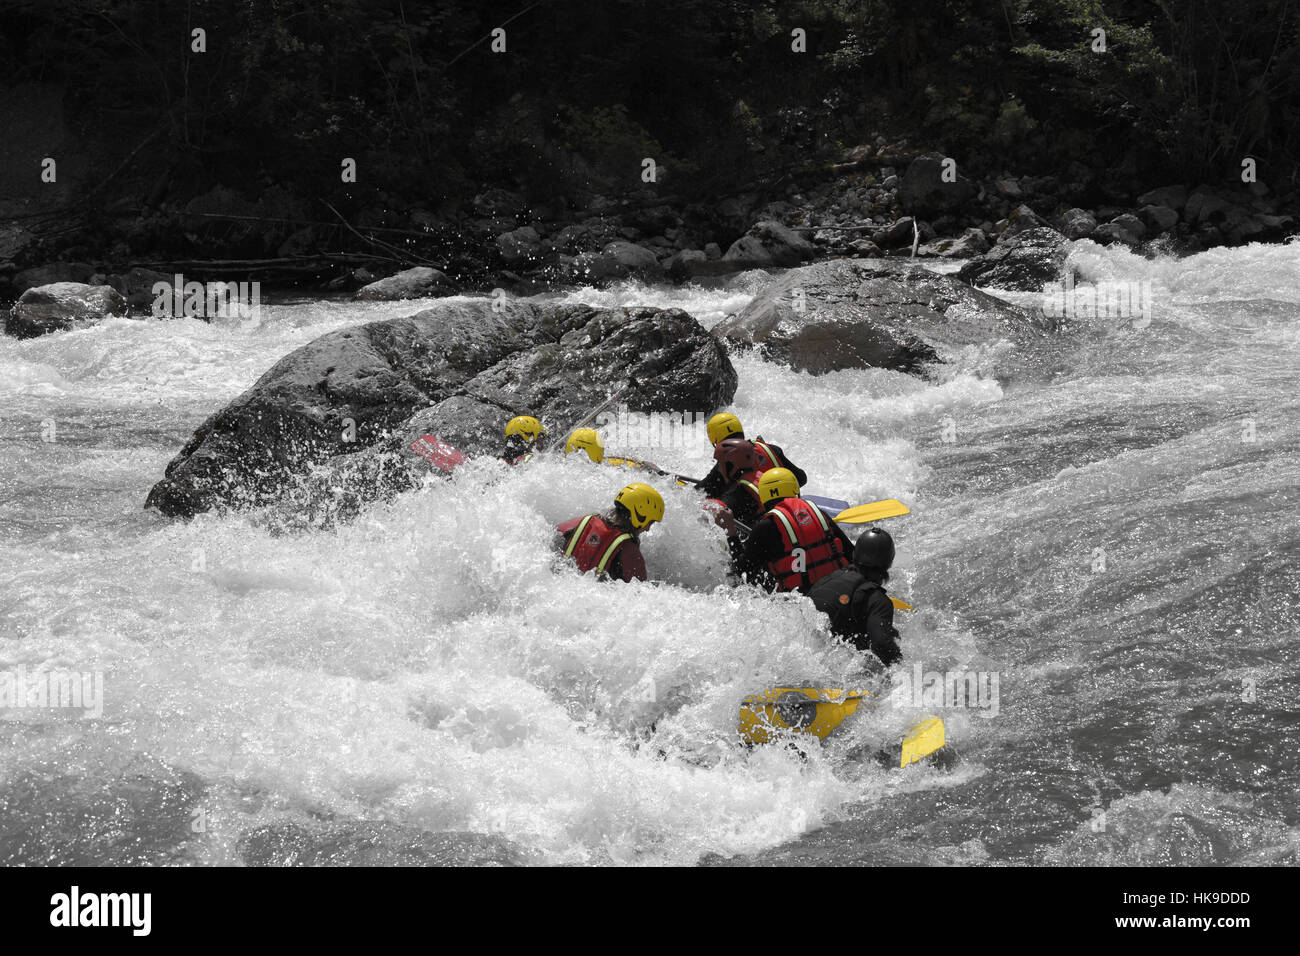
{"x": 1127, "y": 229}
{"x": 619, "y": 259}
{"x": 769, "y": 244}
{"x": 1205, "y": 205}
{"x": 1158, "y": 219}
{"x": 137, "y": 286}
{"x": 417, "y": 283}
{"x": 61, "y": 306}
{"x": 519, "y": 245}
{"x": 1078, "y": 223}
{"x": 1020, "y": 261}
{"x": 923, "y": 191}
{"x": 854, "y": 313}
{"x": 969, "y": 244}
{"x": 347, "y": 399}
{"x": 1021, "y": 219}
{"x": 900, "y": 232}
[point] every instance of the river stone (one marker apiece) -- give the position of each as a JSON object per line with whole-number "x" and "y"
{"x": 1175, "y": 197}
{"x": 860, "y": 313}
{"x": 768, "y": 244}
{"x": 898, "y": 233}
{"x": 417, "y": 283}
{"x": 923, "y": 191}
{"x": 61, "y": 306}
{"x": 367, "y": 381}
{"x": 1159, "y": 218}
{"x": 969, "y": 244}
{"x": 679, "y": 264}
{"x": 1126, "y": 228}
{"x": 519, "y": 245}
{"x": 1020, "y": 261}
{"x": 1078, "y": 223}
{"x": 136, "y": 286}
{"x": 619, "y": 259}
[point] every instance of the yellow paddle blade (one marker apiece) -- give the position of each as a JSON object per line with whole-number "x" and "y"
{"x": 922, "y": 740}
{"x": 901, "y": 605}
{"x": 875, "y": 511}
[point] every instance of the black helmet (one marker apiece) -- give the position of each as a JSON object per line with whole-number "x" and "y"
{"x": 874, "y": 551}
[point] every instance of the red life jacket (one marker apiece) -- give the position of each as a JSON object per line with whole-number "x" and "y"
{"x": 765, "y": 457}
{"x": 594, "y": 543}
{"x": 802, "y": 525}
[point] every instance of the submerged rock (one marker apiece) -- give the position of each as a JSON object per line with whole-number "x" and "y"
{"x": 61, "y": 306}
{"x": 346, "y": 400}
{"x": 1022, "y": 261}
{"x": 119, "y": 810}
{"x": 848, "y": 313}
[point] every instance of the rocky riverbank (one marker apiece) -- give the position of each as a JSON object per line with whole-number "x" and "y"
{"x": 880, "y": 200}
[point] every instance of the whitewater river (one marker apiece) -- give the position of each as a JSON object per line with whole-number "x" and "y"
{"x": 1109, "y": 523}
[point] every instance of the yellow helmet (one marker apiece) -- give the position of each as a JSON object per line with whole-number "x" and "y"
{"x": 526, "y": 427}
{"x": 777, "y": 483}
{"x": 588, "y": 440}
{"x": 642, "y": 503}
{"x": 724, "y": 425}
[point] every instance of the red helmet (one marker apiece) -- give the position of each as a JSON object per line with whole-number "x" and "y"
{"x": 734, "y": 456}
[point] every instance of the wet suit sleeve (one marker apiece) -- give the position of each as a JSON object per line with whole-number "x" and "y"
{"x": 742, "y": 505}
{"x": 712, "y": 484}
{"x": 874, "y": 620}
{"x": 750, "y": 560}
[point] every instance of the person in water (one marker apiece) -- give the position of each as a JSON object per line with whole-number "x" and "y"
{"x": 608, "y": 544}
{"x": 525, "y": 435}
{"x": 588, "y": 440}
{"x": 737, "y": 506}
{"x": 855, "y": 598}
{"x": 792, "y": 545}
{"x": 725, "y": 425}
